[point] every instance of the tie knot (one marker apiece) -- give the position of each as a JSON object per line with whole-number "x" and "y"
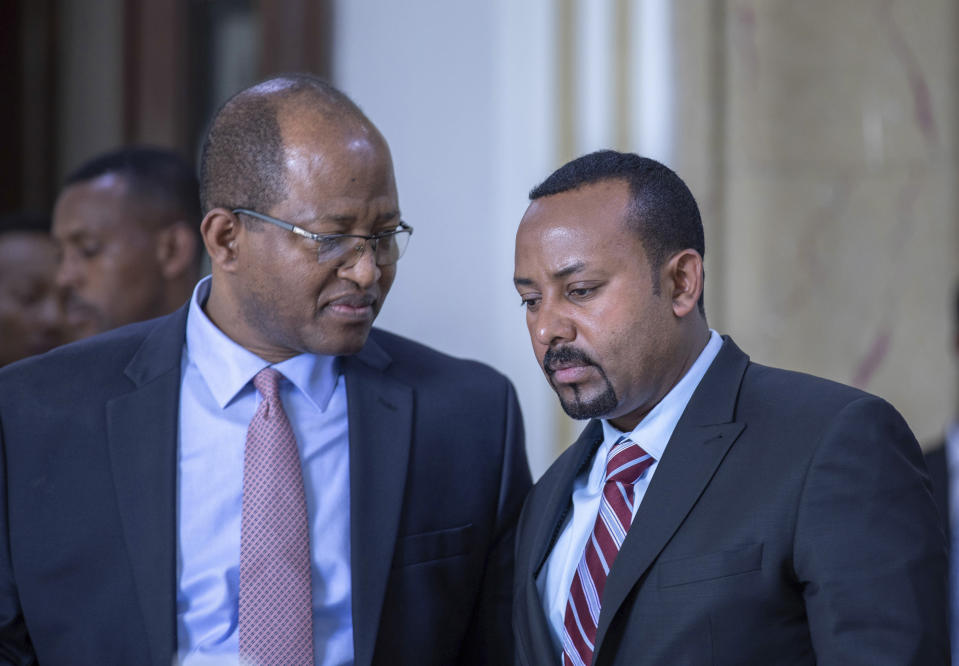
{"x": 626, "y": 461}
{"x": 267, "y": 382}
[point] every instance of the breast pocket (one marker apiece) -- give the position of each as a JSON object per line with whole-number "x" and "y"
{"x": 721, "y": 564}
{"x": 432, "y": 546}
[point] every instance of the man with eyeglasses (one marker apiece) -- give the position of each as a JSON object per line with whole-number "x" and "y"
{"x": 261, "y": 477}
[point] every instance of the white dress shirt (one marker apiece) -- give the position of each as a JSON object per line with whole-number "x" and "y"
{"x": 217, "y": 403}
{"x": 652, "y": 434}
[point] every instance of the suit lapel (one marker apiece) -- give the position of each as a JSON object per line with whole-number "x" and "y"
{"x": 142, "y": 440}
{"x": 697, "y": 447}
{"x": 381, "y": 425}
{"x": 551, "y": 520}
{"x": 559, "y": 503}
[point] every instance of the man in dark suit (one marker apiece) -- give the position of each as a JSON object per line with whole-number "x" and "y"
{"x": 153, "y": 508}
{"x": 715, "y": 510}
{"x": 943, "y": 461}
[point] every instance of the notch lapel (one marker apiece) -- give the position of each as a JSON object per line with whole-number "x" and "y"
{"x": 701, "y": 440}
{"x": 142, "y": 441}
{"x": 381, "y": 425}
{"x": 550, "y": 524}
{"x": 560, "y": 497}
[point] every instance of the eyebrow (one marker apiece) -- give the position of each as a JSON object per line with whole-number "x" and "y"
{"x": 565, "y": 271}
{"x": 75, "y": 235}
{"x": 350, "y": 219}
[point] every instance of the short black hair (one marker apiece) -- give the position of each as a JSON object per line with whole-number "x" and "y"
{"x": 24, "y": 222}
{"x": 663, "y": 212}
{"x": 241, "y": 160}
{"x": 153, "y": 174}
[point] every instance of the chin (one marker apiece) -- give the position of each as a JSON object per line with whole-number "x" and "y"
{"x": 342, "y": 346}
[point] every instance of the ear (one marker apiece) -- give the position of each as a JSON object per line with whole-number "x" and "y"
{"x": 220, "y": 229}
{"x": 684, "y": 273}
{"x": 176, "y": 250}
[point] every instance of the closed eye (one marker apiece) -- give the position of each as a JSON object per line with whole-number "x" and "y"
{"x": 90, "y": 250}
{"x": 529, "y": 302}
{"x": 581, "y": 291}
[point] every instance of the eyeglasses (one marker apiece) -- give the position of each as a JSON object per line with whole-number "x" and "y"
{"x": 388, "y": 246}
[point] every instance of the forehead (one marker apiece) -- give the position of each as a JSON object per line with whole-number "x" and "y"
{"x": 98, "y": 204}
{"x": 343, "y": 157}
{"x": 587, "y": 224}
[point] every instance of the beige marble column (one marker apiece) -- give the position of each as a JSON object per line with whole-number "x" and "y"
{"x": 838, "y": 235}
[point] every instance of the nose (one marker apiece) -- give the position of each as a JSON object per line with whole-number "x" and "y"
{"x": 360, "y": 265}
{"x": 551, "y": 326}
{"x": 68, "y": 271}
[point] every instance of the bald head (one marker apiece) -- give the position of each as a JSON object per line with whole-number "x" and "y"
{"x": 243, "y": 162}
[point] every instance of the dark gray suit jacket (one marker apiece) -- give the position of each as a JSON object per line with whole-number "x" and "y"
{"x": 88, "y": 436}
{"x": 789, "y": 521}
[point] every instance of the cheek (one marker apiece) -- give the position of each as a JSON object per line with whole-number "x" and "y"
{"x": 387, "y": 275}
{"x": 613, "y": 339}
{"x": 8, "y": 318}
{"x": 118, "y": 266}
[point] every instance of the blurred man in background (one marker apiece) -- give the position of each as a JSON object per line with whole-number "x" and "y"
{"x": 127, "y": 224}
{"x": 943, "y": 462}
{"x": 30, "y": 313}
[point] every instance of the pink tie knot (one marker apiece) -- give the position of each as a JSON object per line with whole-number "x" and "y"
{"x": 267, "y": 382}
{"x": 626, "y": 462}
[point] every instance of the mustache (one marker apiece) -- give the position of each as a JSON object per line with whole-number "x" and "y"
{"x": 564, "y": 355}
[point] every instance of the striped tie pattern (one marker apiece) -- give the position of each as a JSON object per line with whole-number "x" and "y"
{"x": 625, "y": 464}
{"x": 276, "y": 608}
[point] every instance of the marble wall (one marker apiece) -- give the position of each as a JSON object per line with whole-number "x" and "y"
{"x": 837, "y": 220}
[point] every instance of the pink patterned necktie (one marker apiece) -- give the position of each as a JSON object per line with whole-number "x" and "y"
{"x": 625, "y": 464}
{"x": 276, "y": 608}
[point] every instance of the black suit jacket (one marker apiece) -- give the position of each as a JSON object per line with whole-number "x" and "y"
{"x": 88, "y": 432}
{"x": 789, "y": 522}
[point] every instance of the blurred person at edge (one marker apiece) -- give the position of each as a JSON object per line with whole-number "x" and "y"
{"x": 127, "y": 224}
{"x": 943, "y": 461}
{"x": 31, "y": 317}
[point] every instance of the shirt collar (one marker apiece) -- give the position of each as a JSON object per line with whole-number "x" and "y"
{"x": 227, "y": 367}
{"x": 952, "y": 448}
{"x": 654, "y": 431}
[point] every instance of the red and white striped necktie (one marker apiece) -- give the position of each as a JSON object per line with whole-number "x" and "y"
{"x": 625, "y": 464}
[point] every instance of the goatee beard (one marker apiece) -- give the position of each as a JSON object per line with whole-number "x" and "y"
{"x": 580, "y": 408}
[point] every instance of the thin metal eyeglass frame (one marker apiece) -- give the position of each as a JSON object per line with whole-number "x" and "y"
{"x": 403, "y": 228}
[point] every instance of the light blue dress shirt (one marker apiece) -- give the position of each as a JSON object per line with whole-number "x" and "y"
{"x": 217, "y": 403}
{"x": 952, "y": 461}
{"x": 652, "y": 434}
